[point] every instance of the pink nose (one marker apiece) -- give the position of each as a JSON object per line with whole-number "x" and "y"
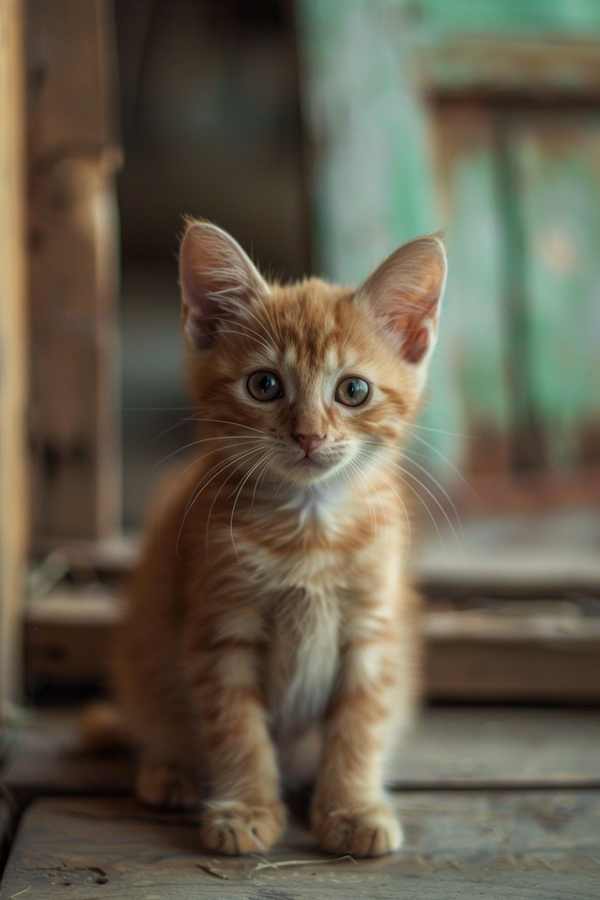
{"x": 309, "y": 442}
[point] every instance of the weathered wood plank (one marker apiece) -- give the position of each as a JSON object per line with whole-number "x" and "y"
{"x": 451, "y": 747}
{"x": 488, "y": 670}
{"x": 467, "y": 747}
{"x": 469, "y": 655}
{"x": 521, "y": 844}
{"x": 535, "y": 555}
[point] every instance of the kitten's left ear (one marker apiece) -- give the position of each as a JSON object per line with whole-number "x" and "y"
{"x": 218, "y": 281}
{"x": 405, "y": 293}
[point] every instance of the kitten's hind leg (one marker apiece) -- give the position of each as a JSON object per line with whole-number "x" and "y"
{"x": 166, "y": 785}
{"x": 150, "y": 685}
{"x": 163, "y": 729}
{"x": 156, "y": 715}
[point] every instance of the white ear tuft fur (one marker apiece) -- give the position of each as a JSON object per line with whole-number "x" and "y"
{"x": 218, "y": 281}
{"x": 405, "y": 293}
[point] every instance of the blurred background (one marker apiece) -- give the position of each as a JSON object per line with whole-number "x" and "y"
{"x": 322, "y": 135}
{"x": 211, "y": 126}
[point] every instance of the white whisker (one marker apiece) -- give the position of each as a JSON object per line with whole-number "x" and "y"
{"x": 383, "y": 509}
{"x": 439, "y": 486}
{"x": 250, "y": 334}
{"x": 440, "y": 455}
{"x": 433, "y": 497}
{"x": 416, "y": 493}
{"x": 242, "y": 456}
{"x": 195, "y": 462}
{"x": 237, "y": 497}
{"x": 439, "y": 430}
{"x": 170, "y": 428}
{"x": 236, "y": 425}
{"x": 256, "y": 483}
{"x": 403, "y": 504}
{"x": 264, "y": 328}
{"x": 215, "y": 498}
{"x": 227, "y": 437}
{"x": 355, "y": 468}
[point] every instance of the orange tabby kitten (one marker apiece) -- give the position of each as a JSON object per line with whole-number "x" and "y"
{"x": 271, "y": 636}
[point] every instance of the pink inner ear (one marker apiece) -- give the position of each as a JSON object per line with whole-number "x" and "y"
{"x": 218, "y": 281}
{"x": 405, "y": 291}
{"x": 409, "y": 324}
{"x": 414, "y": 350}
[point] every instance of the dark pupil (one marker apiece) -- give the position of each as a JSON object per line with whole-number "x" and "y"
{"x": 351, "y": 389}
{"x": 266, "y": 383}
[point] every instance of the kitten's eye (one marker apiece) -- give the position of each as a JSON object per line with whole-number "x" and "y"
{"x": 352, "y": 391}
{"x": 265, "y": 386}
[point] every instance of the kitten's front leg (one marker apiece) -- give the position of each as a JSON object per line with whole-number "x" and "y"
{"x": 350, "y": 813}
{"x": 244, "y": 813}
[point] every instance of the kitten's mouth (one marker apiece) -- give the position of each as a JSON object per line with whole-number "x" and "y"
{"x": 309, "y": 469}
{"x": 310, "y": 462}
{"x": 314, "y": 464}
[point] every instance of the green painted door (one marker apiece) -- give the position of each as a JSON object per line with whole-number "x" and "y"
{"x": 482, "y": 118}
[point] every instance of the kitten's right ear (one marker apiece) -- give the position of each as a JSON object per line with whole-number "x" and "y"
{"x": 405, "y": 294}
{"x": 218, "y": 281}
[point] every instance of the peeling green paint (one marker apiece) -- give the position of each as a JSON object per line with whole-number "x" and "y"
{"x": 517, "y": 191}
{"x": 560, "y": 188}
{"x": 467, "y": 382}
{"x": 373, "y": 184}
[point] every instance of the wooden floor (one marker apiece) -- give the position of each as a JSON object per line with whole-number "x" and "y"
{"x": 495, "y": 803}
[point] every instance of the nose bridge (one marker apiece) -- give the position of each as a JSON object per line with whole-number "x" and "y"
{"x": 309, "y": 416}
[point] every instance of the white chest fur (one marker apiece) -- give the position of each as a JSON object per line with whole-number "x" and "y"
{"x": 303, "y": 660}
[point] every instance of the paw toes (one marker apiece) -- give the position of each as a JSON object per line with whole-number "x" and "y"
{"x": 372, "y": 831}
{"x": 236, "y": 829}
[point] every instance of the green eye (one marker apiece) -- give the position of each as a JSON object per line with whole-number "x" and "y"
{"x": 265, "y": 386}
{"x": 352, "y": 391}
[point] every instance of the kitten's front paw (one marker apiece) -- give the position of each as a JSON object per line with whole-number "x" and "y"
{"x": 235, "y": 829}
{"x": 371, "y": 830}
{"x": 166, "y": 786}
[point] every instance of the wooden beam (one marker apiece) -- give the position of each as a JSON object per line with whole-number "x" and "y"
{"x": 73, "y": 156}
{"x": 13, "y": 500}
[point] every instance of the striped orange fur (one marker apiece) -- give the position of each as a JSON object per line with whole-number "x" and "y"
{"x": 272, "y": 634}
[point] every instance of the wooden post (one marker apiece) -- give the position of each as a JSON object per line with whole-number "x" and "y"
{"x": 13, "y": 365}
{"x": 73, "y": 156}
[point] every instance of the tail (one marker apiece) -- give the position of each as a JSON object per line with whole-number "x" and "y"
{"x": 102, "y": 729}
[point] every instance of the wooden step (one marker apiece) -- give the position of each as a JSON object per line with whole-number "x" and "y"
{"x": 499, "y": 650}
{"x": 495, "y": 803}
{"x": 470, "y": 845}
{"x": 513, "y": 609}
{"x": 452, "y": 747}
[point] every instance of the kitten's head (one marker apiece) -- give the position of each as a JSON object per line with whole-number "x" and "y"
{"x": 308, "y": 380}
